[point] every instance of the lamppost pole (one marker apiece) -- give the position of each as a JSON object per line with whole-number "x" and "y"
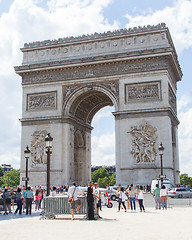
{"x": 27, "y": 154}
{"x": 161, "y": 149}
{"x": 48, "y": 142}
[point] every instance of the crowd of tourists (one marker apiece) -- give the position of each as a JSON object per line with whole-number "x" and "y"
{"x": 23, "y": 198}
{"x": 126, "y": 198}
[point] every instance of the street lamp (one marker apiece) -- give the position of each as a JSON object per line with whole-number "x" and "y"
{"x": 161, "y": 149}
{"x": 48, "y": 144}
{"x": 27, "y": 155}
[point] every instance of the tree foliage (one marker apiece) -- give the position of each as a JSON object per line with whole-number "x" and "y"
{"x": 100, "y": 173}
{"x": 185, "y": 180}
{"x": 1, "y": 172}
{"x": 101, "y": 176}
{"x": 11, "y": 178}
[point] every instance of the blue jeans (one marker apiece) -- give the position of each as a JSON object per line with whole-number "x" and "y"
{"x": 164, "y": 205}
{"x": 19, "y": 206}
{"x": 132, "y": 203}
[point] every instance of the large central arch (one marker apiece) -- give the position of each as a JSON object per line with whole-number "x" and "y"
{"x": 66, "y": 81}
{"x": 81, "y": 105}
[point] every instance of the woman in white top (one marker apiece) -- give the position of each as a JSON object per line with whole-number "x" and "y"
{"x": 122, "y": 197}
{"x": 163, "y": 197}
{"x": 140, "y": 199}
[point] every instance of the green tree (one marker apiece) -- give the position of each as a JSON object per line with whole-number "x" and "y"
{"x": 11, "y": 178}
{"x": 1, "y": 172}
{"x": 185, "y": 179}
{"x": 100, "y": 173}
{"x": 110, "y": 180}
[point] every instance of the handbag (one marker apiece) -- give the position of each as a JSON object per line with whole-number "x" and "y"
{"x": 119, "y": 200}
{"x": 71, "y": 199}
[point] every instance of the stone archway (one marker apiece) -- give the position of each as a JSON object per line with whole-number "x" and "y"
{"x": 81, "y": 104}
{"x": 66, "y": 81}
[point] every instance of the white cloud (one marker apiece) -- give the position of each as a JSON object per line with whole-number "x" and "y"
{"x": 182, "y": 103}
{"x": 103, "y": 149}
{"x": 104, "y": 112}
{"x": 178, "y": 18}
{"x": 185, "y": 136}
{"x": 26, "y": 22}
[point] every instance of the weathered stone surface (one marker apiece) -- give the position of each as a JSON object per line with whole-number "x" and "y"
{"x": 66, "y": 81}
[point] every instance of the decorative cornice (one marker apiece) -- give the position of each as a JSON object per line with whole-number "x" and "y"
{"x": 96, "y": 35}
{"x": 91, "y": 71}
{"x": 54, "y": 119}
{"x": 166, "y": 111}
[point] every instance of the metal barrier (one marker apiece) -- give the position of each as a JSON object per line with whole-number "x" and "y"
{"x": 59, "y": 205}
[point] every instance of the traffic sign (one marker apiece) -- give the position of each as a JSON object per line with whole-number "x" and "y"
{"x": 25, "y": 179}
{"x": 162, "y": 176}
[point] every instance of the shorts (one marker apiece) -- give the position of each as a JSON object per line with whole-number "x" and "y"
{"x": 99, "y": 203}
{"x": 75, "y": 203}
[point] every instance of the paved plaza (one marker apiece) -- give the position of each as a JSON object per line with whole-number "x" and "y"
{"x": 174, "y": 223}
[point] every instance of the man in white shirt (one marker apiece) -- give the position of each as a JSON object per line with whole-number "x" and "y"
{"x": 74, "y": 192}
{"x": 97, "y": 194}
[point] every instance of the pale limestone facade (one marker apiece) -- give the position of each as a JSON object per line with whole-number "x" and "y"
{"x": 66, "y": 81}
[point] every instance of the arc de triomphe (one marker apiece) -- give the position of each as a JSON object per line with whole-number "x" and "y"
{"x": 66, "y": 81}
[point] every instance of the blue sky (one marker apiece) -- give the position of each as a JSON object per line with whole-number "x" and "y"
{"x": 31, "y": 20}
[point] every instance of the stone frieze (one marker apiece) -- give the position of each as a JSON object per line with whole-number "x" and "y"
{"x": 41, "y": 101}
{"x": 99, "y": 70}
{"x": 148, "y": 91}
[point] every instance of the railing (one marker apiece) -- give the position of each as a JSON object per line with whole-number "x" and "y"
{"x": 59, "y": 205}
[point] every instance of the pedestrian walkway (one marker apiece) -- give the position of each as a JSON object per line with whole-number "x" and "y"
{"x": 169, "y": 224}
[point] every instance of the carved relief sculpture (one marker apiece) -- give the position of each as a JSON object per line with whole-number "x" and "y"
{"x": 38, "y": 154}
{"x": 143, "y": 91}
{"x": 143, "y": 144}
{"x": 41, "y": 101}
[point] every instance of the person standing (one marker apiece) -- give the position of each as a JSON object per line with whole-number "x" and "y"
{"x": 156, "y": 195}
{"x": 132, "y": 195}
{"x": 19, "y": 199}
{"x": 97, "y": 194}
{"x": 163, "y": 196}
{"x": 73, "y": 193}
{"x": 7, "y": 201}
{"x": 54, "y": 192}
{"x": 12, "y": 198}
{"x": 23, "y": 190}
{"x": 37, "y": 199}
{"x": 140, "y": 199}
{"x": 127, "y": 194}
{"x": 122, "y": 198}
{"x": 90, "y": 202}
{"x": 29, "y": 199}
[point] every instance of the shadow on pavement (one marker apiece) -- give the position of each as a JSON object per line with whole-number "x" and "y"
{"x": 11, "y": 216}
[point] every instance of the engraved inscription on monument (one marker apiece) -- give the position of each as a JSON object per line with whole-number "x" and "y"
{"x": 38, "y": 154}
{"x": 143, "y": 143}
{"x": 41, "y": 101}
{"x": 143, "y": 91}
